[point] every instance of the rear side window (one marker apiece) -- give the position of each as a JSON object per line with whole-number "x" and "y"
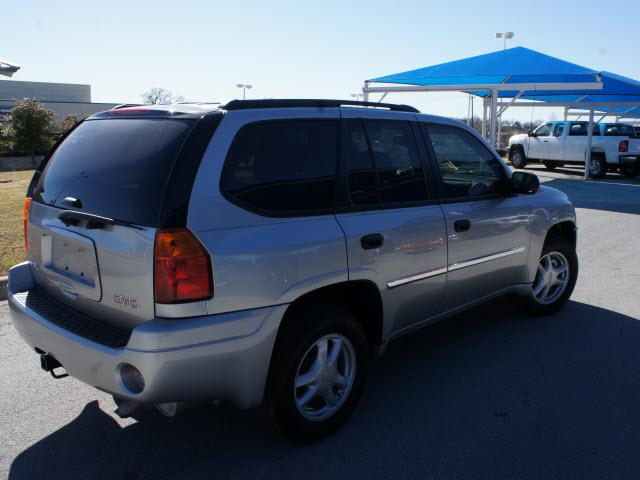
{"x": 283, "y": 167}
{"x": 581, "y": 129}
{"x": 116, "y": 168}
{"x": 615, "y": 130}
{"x": 466, "y": 167}
{"x": 384, "y": 164}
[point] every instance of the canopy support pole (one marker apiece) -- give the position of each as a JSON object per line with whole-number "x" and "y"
{"x": 566, "y": 113}
{"x": 484, "y": 117}
{"x": 365, "y": 91}
{"x": 587, "y": 162}
{"x": 494, "y": 116}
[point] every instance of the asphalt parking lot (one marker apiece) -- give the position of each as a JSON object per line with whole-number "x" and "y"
{"x": 488, "y": 394}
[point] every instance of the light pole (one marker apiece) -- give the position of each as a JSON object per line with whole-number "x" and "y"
{"x": 357, "y": 96}
{"x": 505, "y": 36}
{"x": 244, "y": 88}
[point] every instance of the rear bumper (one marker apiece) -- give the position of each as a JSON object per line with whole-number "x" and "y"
{"x": 223, "y": 356}
{"x": 629, "y": 161}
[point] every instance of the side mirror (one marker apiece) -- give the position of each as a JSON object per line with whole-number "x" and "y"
{"x": 530, "y": 133}
{"x": 524, "y": 182}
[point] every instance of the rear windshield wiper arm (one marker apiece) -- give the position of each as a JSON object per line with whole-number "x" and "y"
{"x": 94, "y": 222}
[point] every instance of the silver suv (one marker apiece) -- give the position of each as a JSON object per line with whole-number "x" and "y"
{"x": 262, "y": 252}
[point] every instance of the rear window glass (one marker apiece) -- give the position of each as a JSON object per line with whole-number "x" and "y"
{"x": 116, "y": 168}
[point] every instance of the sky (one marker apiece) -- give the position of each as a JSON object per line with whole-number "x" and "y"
{"x": 300, "y": 49}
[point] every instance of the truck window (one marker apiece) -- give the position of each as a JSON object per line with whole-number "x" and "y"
{"x": 558, "y": 130}
{"x": 543, "y": 130}
{"x": 580, "y": 129}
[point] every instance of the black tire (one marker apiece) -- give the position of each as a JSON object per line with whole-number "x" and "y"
{"x": 550, "y": 164}
{"x": 598, "y": 166}
{"x": 629, "y": 172}
{"x": 554, "y": 243}
{"x": 303, "y": 328}
{"x": 517, "y": 157}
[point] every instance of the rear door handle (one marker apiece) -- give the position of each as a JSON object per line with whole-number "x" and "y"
{"x": 371, "y": 241}
{"x": 462, "y": 225}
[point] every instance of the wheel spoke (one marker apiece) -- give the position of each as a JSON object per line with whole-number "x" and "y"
{"x": 309, "y": 376}
{"x": 545, "y": 291}
{"x": 310, "y": 394}
{"x": 323, "y": 345}
{"x": 336, "y": 348}
{"x": 329, "y": 397}
{"x": 560, "y": 269}
{"x": 340, "y": 380}
{"x": 538, "y": 287}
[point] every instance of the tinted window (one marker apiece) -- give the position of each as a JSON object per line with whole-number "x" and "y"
{"x": 384, "y": 164}
{"x": 617, "y": 129}
{"x": 581, "y": 129}
{"x": 466, "y": 167}
{"x": 283, "y": 166}
{"x": 117, "y": 168}
{"x": 558, "y": 130}
{"x": 543, "y": 130}
{"x": 363, "y": 179}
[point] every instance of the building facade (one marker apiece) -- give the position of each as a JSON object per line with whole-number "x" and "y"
{"x": 63, "y": 98}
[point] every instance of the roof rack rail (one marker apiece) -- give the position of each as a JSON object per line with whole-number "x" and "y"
{"x": 310, "y": 103}
{"x": 127, "y": 105}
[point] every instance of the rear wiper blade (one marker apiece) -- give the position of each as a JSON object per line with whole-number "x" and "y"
{"x": 94, "y": 222}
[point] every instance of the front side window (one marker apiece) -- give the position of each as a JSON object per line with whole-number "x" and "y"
{"x": 384, "y": 164}
{"x": 466, "y": 167}
{"x": 543, "y": 130}
{"x": 283, "y": 167}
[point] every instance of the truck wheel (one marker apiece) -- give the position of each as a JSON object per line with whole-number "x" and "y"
{"x": 598, "y": 166}
{"x": 550, "y": 164}
{"x": 629, "y": 172}
{"x": 317, "y": 373}
{"x": 517, "y": 157}
{"x": 555, "y": 278}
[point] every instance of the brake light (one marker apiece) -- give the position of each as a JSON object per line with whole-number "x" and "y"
{"x": 182, "y": 270}
{"x": 624, "y": 146}
{"x": 25, "y": 219}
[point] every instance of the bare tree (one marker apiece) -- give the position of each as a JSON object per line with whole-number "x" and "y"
{"x": 158, "y": 95}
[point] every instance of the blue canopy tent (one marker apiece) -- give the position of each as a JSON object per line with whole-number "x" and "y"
{"x": 515, "y": 75}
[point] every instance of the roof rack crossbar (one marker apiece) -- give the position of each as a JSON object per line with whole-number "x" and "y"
{"x": 311, "y": 103}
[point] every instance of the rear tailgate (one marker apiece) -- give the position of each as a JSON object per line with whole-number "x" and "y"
{"x": 94, "y": 215}
{"x": 634, "y": 146}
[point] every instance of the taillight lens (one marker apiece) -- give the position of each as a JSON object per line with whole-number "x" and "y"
{"x": 182, "y": 268}
{"x": 25, "y": 218}
{"x": 624, "y": 146}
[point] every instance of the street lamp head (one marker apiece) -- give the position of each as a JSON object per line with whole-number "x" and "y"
{"x": 239, "y": 85}
{"x": 248, "y": 86}
{"x": 508, "y": 35}
{"x": 498, "y": 35}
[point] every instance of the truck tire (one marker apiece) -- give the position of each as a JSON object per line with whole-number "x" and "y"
{"x": 305, "y": 405}
{"x": 598, "y": 166}
{"x": 552, "y": 164}
{"x": 629, "y": 172}
{"x": 517, "y": 157}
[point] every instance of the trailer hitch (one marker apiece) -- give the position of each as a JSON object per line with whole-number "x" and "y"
{"x": 48, "y": 363}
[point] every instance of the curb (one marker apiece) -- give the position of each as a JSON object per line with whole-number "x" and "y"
{"x": 3, "y": 288}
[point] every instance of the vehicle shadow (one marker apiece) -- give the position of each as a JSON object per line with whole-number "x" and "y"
{"x": 611, "y": 197}
{"x": 488, "y": 394}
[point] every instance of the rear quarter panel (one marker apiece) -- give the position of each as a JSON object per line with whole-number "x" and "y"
{"x": 257, "y": 260}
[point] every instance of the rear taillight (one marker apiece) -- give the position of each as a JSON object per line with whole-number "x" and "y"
{"x": 25, "y": 218}
{"x": 182, "y": 270}
{"x": 624, "y": 146}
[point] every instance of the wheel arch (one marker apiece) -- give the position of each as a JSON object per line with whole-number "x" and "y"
{"x": 360, "y": 297}
{"x": 566, "y": 229}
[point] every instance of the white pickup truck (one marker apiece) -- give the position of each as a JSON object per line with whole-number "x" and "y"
{"x": 614, "y": 147}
